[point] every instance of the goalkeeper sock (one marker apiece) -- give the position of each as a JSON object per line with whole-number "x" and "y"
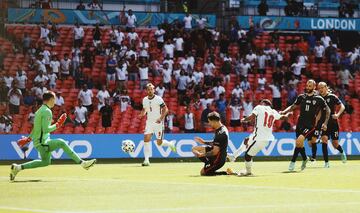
{"x": 147, "y": 150}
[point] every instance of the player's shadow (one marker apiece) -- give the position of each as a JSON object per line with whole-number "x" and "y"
{"x": 27, "y": 181}
{"x": 290, "y": 172}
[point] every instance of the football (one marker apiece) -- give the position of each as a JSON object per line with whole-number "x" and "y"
{"x": 128, "y": 146}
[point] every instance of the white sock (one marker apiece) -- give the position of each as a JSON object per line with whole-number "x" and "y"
{"x": 166, "y": 143}
{"x": 248, "y": 165}
{"x": 147, "y": 150}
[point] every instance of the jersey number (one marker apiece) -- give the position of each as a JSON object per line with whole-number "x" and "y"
{"x": 268, "y": 120}
{"x": 307, "y": 107}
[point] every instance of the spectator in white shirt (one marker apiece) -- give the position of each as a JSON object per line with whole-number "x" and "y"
{"x": 55, "y": 64}
{"x": 21, "y": 79}
{"x": 41, "y": 78}
{"x": 85, "y": 96}
{"x": 319, "y": 51}
{"x": 159, "y": 35}
{"x": 166, "y": 74}
{"x": 144, "y": 75}
{"x": 261, "y": 82}
{"x": 261, "y": 59}
{"x": 189, "y": 121}
{"x": 209, "y": 68}
{"x": 187, "y": 22}
{"x": 325, "y": 40}
{"x": 201, "y": 22}
{"x": 245, "y": 85}
{"x": 179, "y": 46}
{"x": 102, "y": 95}
{"x": 8, "y": 80}
{"x": 296, "y": 69}
{"x": 133, "y": 37}
{"x": 31, "y": 116}
{"x": 169, "y": 49}
{"x": 121, "y": 74}
{"x": 52, "y": 80}
{"x": 160, "y": 90}
{"x": 79, "y": 34}
{"x": 131, "y": 20}
{"x": 218, "y": 89}
{"x": 237, "y": 91}
{"x": 199, "y": 77}
{"x": 44, "y": 33}
{"x": 276, "y": 89}
{"x": 59, "y": 100}
{"x": 15, "y": 99}
{"x": 235, "y": 114}
{"x": 81, "y": 115}
{"x": 248, "y": 107}
{"x": 251, "y": 58}
{"x": 65, "y": 65}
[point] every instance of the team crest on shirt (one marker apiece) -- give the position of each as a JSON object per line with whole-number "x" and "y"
{"x": 328, "y": 100}
{"x": 314, "y": 102}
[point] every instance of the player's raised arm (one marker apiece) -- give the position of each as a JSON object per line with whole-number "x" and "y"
{"x": 46, "y": 123}
{"x": 164, "y": 112}
{"x": 293, "y": 106}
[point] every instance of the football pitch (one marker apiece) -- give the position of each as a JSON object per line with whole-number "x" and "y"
{"x": 177, "y": 187}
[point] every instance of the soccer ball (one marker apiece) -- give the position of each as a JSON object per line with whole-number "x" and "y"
{"x": 128, "y": 146}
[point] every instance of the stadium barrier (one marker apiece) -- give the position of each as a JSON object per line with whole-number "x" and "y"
{"x": 109, "y": 145}
{"x": 300, "y": 23}
{"x": 91, "y": 17}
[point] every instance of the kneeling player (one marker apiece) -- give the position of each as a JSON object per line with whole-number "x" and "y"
{"x": 214, "y": 153}
{"x": 264, "y": 117}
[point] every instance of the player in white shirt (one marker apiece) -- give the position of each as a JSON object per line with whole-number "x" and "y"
{"x": 155, "y": 110}
{"x": 264, "y": 117}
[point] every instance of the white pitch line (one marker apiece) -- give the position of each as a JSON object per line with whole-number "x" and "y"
{"x": 203, "y": 184}
{"x": 199, "y": 208}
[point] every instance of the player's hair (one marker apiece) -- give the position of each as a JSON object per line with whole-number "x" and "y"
{"x": 267, "y": 102}
{"x": 213, "y": 116}
{"x": 312, "y": 81}
{"x": 149, "y": 85}
{"x": 48, "y": 95}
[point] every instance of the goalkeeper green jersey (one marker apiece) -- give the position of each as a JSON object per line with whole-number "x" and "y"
{"x": 42, "y": 126}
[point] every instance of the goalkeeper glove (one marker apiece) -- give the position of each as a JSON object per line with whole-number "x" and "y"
{"x": 23, "y": 141}
{"x": 61, "y": 120}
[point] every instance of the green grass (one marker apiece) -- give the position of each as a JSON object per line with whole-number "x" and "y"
{"x": 177, "y": 187}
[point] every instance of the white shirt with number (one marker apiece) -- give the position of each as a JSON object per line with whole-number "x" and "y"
{"x": 86, "y": 97}
{"x": 265, "y": 118}
{"x": 153, "y": 108}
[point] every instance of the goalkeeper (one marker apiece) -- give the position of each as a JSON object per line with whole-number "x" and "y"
{"x": 40, "y": 135}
